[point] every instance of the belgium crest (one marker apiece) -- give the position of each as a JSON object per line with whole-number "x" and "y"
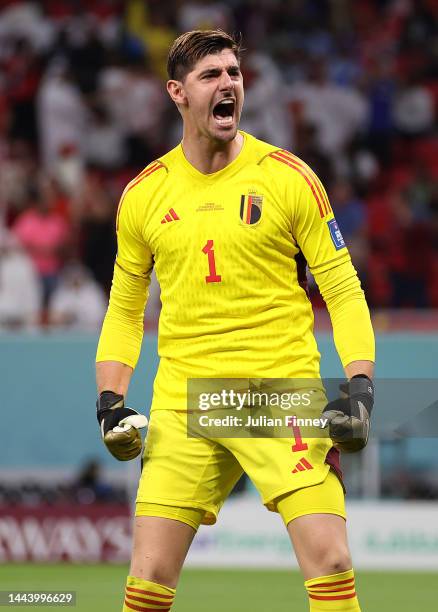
{"x": 251, "y": 208}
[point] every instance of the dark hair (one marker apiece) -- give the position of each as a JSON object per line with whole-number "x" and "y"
{"x": 192, "y": 46}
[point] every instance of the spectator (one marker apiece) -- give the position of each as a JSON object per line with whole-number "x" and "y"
{"x": 350, "y": 211}
{"x": 86, "y": 53}
{"x": 77, "y": 303}
{"x": 409, "y": 248}
{"x": 43, "y": 232}
{"x": 344, "y": 68}
{"x": 265, "y": 113}
{"x": 90, "y": 486}
{"x": 413, "y": 108}
{"x": 203, "y": 15}
{"x": 62, "y": 114}
{"x": 338, "y": 113}
{"x": 95, "y": 213}
{"x": 145, "y": 102}
{"x": 22, "y": 76}
{"x": 26, "y": 21}
{"x": 306, "y": 147}
{"x": 20, "y": 299}
{"x": 421, "y": 192}
{"x": 351, "y": 216}
{"x": 136, "y": 102}
{"x": 380, "y": 88}
{"x": 17, "y": 171}
{"x": 151, "y": 24}
{"x": 104, "y": 145}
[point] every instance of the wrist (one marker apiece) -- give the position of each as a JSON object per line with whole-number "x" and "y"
{"x": 361, "y": 388}
{"x": 107, "y": 401}
{"x": 361, "y": 376}
{"x": 110, "y": 399}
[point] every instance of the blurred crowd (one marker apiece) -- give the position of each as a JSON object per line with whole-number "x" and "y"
{"x": 350, "y": 87}
{"x": 87, "y": 487}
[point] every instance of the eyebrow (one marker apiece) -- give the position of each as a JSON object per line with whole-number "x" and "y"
{"x": 217, "y": 69}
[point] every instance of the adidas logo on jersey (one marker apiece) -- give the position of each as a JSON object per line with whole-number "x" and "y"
{"x": 302, "y": 466}
{"x": 171, "y": 216}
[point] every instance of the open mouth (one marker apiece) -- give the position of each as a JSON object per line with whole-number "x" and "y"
{"x": 223, "y": 112}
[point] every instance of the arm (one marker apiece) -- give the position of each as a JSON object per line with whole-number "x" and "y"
{"x": 113, "y": 376}
{"x": 122, "y": 330}
{"x": 352, "y": 330}
{"x": 318, "y": 236}
{"x": 349, "y": 416}
{"x": 360, "y": 367}
{"x": 122, "y": 334}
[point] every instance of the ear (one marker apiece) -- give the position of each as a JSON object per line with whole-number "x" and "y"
{"x": 175, "y": 89}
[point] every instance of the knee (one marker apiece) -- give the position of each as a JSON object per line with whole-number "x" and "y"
{"x": 155, "y": 570}
{"x": 334, "y": 561}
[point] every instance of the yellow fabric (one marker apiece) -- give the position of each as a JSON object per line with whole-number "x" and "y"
{"x": 190, "y": 516}
{"x": 157, "y": 38}
{"x": 145, "y": 595}
{"x": 352, "y": 329}
{"x": 255, "y": 320}
{"x": 335, "y": 593}
{"x": 198, "y": 473}
{"x": 326, "y": 497}
{"x": 192, "y": 473}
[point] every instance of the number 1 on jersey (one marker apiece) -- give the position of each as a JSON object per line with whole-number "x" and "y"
{"x": 299, "y": 444}
{"x": 212, "y": 277}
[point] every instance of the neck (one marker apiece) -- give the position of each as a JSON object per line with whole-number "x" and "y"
{"x": 207, "y": 156}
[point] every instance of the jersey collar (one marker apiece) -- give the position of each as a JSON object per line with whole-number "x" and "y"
{"x": 238, "y": 162}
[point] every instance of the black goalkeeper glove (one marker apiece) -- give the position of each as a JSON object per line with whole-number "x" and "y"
{"x": 349, "y": 418}
{"x": 119, "y": 426}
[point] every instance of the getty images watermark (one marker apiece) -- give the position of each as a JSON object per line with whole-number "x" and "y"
{"x": 273, "y": 407}
{"x": 240, "y": 408}
{"x": 243, "y": 401}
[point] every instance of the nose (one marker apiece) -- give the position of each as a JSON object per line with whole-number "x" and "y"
{"x": 226, "y": 82}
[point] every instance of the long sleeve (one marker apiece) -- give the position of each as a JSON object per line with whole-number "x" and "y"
{"x": 352, "y": 330}
{"x": 122, "y": 330}
{"x": 320, "y": 240}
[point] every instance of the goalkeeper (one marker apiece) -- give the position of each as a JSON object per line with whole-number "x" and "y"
{"x": 230, "y": 224}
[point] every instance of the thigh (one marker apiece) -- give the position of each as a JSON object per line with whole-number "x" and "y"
{"x": 185, "y": 472}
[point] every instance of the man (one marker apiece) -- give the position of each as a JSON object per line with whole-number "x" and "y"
{"x": 228, "y": 222}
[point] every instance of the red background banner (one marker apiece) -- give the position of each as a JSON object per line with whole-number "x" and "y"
{"x": 72, "y": 533}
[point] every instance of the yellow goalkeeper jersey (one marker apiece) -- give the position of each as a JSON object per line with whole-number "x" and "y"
{"x": 230, "y": 252}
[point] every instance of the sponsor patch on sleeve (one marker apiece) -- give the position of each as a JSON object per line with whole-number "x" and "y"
{"x": 335, "y": 234}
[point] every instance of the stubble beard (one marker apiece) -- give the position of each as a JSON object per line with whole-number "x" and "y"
{"x": 224, "y": 136}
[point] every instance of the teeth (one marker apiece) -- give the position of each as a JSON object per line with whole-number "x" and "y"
{"x": 225, "y": 120}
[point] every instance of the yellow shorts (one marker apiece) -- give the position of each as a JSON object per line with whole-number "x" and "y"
{"x": 326, "y": 497}
{"x": 198, "y": 473}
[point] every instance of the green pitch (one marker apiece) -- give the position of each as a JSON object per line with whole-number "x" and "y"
{"x": 99, "y": 588}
